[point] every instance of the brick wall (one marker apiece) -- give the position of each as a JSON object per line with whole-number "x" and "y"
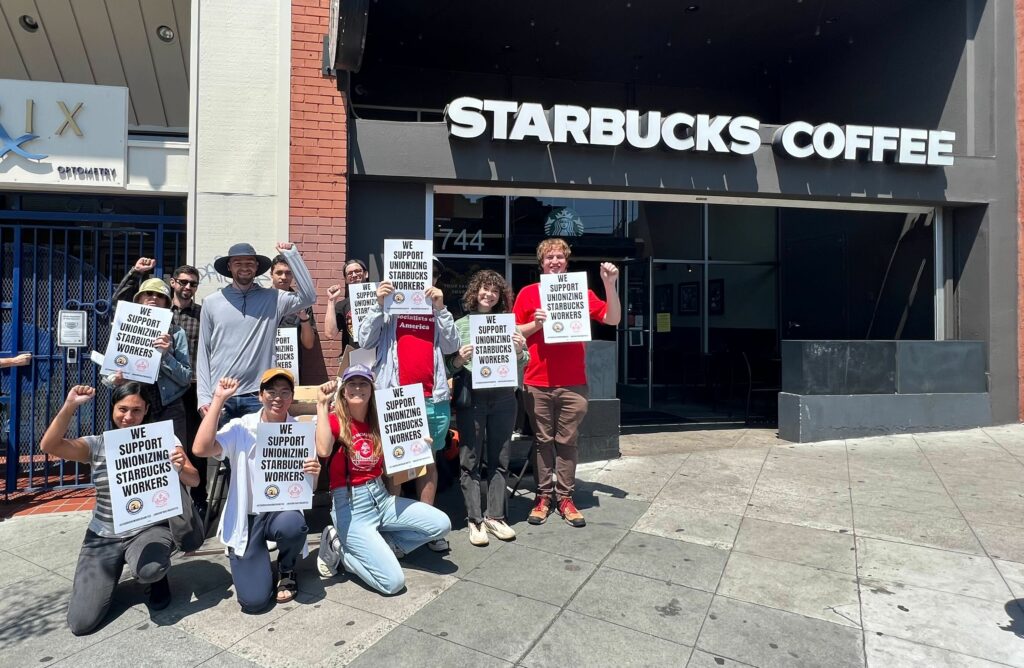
{"x": 318, "y": 181}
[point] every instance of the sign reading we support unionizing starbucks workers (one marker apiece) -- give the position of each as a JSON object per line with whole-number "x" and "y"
{"x": 402, "y": 415}
{"x": 286, "y": 350}
{"x": 564, "y": 297}
{"x": 278, "y": 481}
{"x": 144, "y": 487}
{"x": 130, "y": 346}
{"x": 494, "y": 354}
{"x": 361, "y": 298}
{"x": 408, "y": 265}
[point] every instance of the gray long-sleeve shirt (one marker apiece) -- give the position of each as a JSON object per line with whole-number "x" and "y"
{"x": 237, "y": 330}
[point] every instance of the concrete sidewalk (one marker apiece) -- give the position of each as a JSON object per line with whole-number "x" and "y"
{"x": 709, "y": 548}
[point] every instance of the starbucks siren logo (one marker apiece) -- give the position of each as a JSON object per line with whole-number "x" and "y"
{"x": 563, "y": 222}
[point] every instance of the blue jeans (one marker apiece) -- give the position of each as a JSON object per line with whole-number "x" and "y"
{"x": 239, "y": 406}
{"x": 371, "y": 512}
{"x": 252, "y": 572}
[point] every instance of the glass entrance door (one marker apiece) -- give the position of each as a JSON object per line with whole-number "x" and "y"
{"x": 634, "y": 334}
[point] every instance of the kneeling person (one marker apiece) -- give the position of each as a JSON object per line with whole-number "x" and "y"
{"x": 146, "y": 551}
{"x": 373, "y": 527}
{"x": 246, "y": 533}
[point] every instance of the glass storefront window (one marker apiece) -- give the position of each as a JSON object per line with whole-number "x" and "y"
{"x": 742, "y": 308}
{"x": 742, "y": 233}
{"x": 668, "y": 230}
{"x": 455, "y": 278}
{"x": 469, "y": 225}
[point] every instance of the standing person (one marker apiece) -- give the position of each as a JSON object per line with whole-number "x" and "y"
{"x": 372, "y": 528}
{"x": 104, "y": 554}
{"x": 281, "y": 278}
{"x": 246, "y": 533}
{"x": 411, "y": 349}
{"x": 339, "y": 308}
{"x": 239, "y": 326}
{"x": 556, "y": 384}
{"x": 186, "y": 313}
{"x": 486, "y": 421}
{"x": 165, "y": 399}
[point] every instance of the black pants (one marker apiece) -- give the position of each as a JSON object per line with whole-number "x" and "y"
{"x": 192, "y": 419}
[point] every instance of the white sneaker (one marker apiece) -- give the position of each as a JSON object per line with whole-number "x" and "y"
{"x": 330, "y": 559}
{"x": 439, "y": 545}
{"x": 271, "y": 546}
{"x": 477, "y": 535}
{"x": 499, "y": 528}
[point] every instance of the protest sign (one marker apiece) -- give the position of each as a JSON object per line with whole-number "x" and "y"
{"x": 286, "y": 350}
{"x": 402, "y": 416}
{"x": 565, "y": 298}
{"x": 144, "y": 487}
{"x": 361, "y": 298}
{"x": 408, "y": 264}
{"x": 494, "y": 355}
{"x": 278, "y": 481}
{"x": 130, "y": 346}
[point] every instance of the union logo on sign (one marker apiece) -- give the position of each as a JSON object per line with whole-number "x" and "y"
{"x": 558, "y": 327}
{"x": 161, "y": 499}
{"x": 295, "y": 491}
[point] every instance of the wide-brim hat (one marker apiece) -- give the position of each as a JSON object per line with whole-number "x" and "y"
{"x": 241, "y": 250}
{"x": 154, "y": 285}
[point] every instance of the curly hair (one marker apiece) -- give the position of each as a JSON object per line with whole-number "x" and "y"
{"x": 487, "y": 278}
{"x": 554, "y": 244}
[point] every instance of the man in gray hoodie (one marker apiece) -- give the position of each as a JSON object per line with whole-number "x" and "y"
{"x": 238, "y": 325}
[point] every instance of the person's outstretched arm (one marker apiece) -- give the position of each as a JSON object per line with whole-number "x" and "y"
{"x": 205, "y": 443}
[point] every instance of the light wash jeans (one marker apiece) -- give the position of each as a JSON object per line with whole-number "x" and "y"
{"x": 372, "y": 512}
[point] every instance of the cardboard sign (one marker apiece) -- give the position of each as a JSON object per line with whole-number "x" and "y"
{"x": 130, "y": 346}
{"x": 408, "y": 264}
{"x": 365, "y": 356}
{"x": 402, "y": 415}
{"x": 564, "y": 297}
{"x": 286, "y": 350}
{"x": 275, "y": 468}
{"x": 494, "y": 355}
{"x": 144, "y": 487}
{"x": 361, "y": 298}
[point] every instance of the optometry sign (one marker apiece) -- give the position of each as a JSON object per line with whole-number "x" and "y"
{"x": 63, "y": 134}
{"x": 504, "y": 120}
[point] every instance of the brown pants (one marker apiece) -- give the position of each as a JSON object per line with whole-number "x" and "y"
{"x": 555, "y": 415}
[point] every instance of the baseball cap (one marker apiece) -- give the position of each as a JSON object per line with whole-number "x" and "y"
{"x": 271, "y": 374}
{"x": 357, "y": 371}
{"x": 154, "y": 285}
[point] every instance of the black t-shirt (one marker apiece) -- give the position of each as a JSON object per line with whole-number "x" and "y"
{"x": 343, "y": 313}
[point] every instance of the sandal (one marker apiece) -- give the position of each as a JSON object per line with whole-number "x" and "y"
{"x": 286, "y": 587}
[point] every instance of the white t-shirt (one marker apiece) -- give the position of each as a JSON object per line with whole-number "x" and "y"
{"x": 236, "y": 440}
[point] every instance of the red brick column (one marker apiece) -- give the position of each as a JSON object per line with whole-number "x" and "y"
{"x": 319, "y": 170}
{"x": 1019, "y": 22}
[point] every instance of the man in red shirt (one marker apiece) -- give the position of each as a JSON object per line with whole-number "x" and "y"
{"x": 556, "y": 384}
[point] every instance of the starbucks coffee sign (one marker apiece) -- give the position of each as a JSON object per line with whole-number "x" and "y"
{"x": 504, "y": 120}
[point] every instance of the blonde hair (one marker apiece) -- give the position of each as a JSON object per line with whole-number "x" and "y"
{"x": 345, "y": 420}
{"x": 548, "y": 245}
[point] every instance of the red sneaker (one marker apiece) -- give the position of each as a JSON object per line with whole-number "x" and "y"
{"x": 567, "y": 509}
{"x": 540, "y": 511}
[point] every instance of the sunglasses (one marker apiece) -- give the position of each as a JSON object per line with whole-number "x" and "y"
{"x": 187, "y": 284}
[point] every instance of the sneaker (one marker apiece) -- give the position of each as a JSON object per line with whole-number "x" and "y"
{"x": 159, "y": 594}
{"x": 329, "y": 559}
{"x": 540, "y": 511}
{"x": 567, "y": 509}
{"x": 399, "y": 552}
{"x": 500, "y": 530}
{"x": 477, "y": 535}
{"x": 439, "y": 545}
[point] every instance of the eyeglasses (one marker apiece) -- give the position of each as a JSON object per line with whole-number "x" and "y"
{"x": 283, "y": 394}
{"x": 187, "y": 284}
{"x": 354, "y": 272}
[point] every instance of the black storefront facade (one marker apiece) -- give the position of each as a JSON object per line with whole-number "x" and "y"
{"x": 809, "y": 173}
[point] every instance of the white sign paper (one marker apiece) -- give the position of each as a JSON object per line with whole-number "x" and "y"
{"x": 565, "y": 298}
{"x": 130, "y": 346}
{"x": 402, "y": 415}
{"x": 144, "y": 487}
{"x": 361, "y": 298}
{"x": 72, "y": 330}
{"x": 278, "y": 481}
{"x": 286, "y": 350}
{"x": 408, "y": 264}
{"x": 494, "y": 355}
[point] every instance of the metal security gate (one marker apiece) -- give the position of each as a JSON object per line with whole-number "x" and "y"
{"x": 61, "y": 260}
